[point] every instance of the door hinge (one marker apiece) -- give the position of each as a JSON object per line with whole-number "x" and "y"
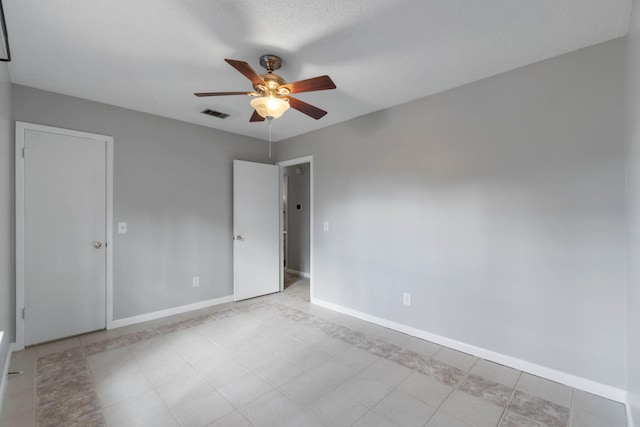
{"x": 24, "y": 150}
{"x": 24, "y": 312}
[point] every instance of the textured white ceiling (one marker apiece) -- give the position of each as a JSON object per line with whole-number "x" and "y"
{"x": 151, "y": 55}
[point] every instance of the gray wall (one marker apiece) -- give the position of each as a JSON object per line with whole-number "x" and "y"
{"x": 172, "y": 185}
{"x": 499, "y": 205}
{"x": 7, "y": 183}
{"x": 298, "y": 220}
{"x": 633, "y": 203}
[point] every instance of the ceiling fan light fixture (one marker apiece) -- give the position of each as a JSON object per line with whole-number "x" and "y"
{"x": 270, "y": 107}
{"x": 272, "y": 91}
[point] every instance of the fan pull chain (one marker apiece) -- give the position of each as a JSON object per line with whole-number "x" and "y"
{"x": 270, "y": 138}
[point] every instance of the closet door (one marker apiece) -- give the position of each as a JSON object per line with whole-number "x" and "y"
{"x": 64, "y": 235}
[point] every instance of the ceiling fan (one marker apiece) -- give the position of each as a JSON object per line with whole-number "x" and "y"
{"x": 272, "y": 92}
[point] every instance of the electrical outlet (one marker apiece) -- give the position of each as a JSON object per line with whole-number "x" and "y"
{"x": 406, "y": 298}
{"x": 196, "y": 282}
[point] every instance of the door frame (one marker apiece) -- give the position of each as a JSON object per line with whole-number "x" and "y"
{"x": 283, "y": 164}
{"x": 284, "y": 181}
{"x": 21, "y": 127}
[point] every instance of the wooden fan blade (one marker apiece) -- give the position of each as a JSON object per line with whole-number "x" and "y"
{"x": 255, "y": 117}
{"x": 247, "y": 71}
{"x": 309, "y": 85}
{"x": 221, "y": 93}
{"x": 307, "y": 109}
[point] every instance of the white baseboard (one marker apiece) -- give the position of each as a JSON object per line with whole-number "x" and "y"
{"x": 299, "y": 273}
{"x": 613, "y": 393}
{"x": 168, "y": 312}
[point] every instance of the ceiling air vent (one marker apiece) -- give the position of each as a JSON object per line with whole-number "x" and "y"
{"x": 217, "y": 114}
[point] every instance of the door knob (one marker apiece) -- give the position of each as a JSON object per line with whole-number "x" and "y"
{"x": 98, "y": 245}
{"x": 238, "y": 237}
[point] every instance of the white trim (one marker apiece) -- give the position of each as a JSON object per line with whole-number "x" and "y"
{"x": 109, "y": 233}
{"x": 169, "y": 312}
{"x": 5, "y": 370}
{"x": 283, "y": 164}
{"x": 627, "y": 407}
{"x": 281, "y": 235}
{"x": 613, "y": 393}
{"x": 19, "y": 235}
{"x": 21, "y": 127}
{"x": 299, "y": 273}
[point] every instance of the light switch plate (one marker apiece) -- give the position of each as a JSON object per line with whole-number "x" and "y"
{"x": 326, "y": 226}
{"x": 406, "y": 298}
{"x": 122, "y": 228}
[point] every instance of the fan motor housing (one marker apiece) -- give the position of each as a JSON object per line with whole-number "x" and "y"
{"x": 273, "y": 80}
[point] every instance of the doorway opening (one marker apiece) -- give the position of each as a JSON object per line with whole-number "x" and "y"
{"x": 297, "y": 220}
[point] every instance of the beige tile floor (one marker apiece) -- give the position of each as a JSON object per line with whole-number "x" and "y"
{"x": 279, "y": 361}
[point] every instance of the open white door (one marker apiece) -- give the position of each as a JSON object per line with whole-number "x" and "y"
{"x": 256, "y": 229}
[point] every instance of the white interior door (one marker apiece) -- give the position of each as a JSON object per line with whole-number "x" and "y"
{"x": 64, "y": 235}
{"x": 256, "y": 229}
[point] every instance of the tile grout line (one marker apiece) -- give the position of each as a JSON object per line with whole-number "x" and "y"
{"x": 151, "y": 382}
{"x": 453, "y": 389}
{"x": 513, "y": 392}
{"x": 573, "y": 398}
{"x": 374, "y": 406}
